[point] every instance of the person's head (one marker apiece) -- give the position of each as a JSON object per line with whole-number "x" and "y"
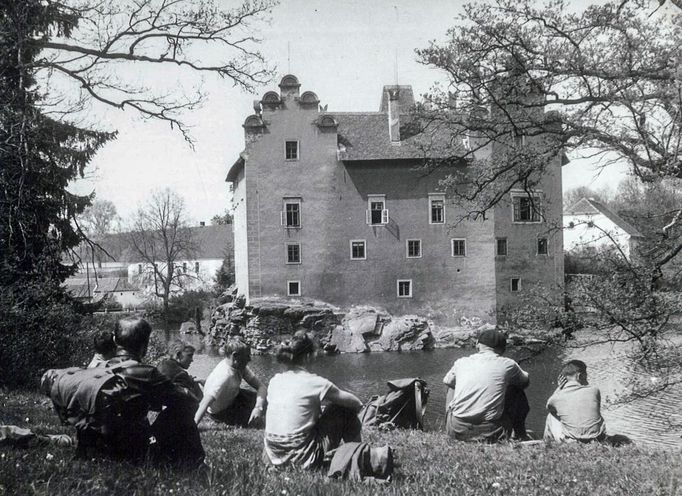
{"x": 182, "y": 352}
{"x": 104, "y": 344}
{"x": 237, "y": 353}
{"x": 493, "y": 339}
{"x": 575, "y": 370}
{"x": 297, "y": 350}
{"x": 132, "y": 334}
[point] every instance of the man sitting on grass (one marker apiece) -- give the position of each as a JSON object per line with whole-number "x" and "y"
{"x": 575, "y": 407}
{"x": 224, "y": 399}
{"x": 104, "y": 349}
{"x": 486, "y": 401}
{"x": 175, "y": 365}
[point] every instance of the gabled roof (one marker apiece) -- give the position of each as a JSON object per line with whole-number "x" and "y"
{"x": 365, "y": 136}
{"x": 590, "y": 206}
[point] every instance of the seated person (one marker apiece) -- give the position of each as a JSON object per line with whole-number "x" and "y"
{"x": 180, "y": 357}
{"x": 224, "y": 399}
{"x": 307, "y": 415}
{"x": 104, "y": 348}
{"x": 173, "y": 437}
{"x": 486, "y": 401}
{"x": 575, "y": 407}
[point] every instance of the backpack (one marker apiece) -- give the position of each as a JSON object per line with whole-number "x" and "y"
{"x": 75, "y": 392}
{"x": 403, "y": 406}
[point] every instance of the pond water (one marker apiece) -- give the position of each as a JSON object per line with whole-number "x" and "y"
{"x": 646, "y": 421}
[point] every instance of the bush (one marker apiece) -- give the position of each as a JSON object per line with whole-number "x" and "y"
{"x": 40, "y": 329}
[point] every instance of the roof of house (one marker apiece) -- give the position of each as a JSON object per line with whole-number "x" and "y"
{"x": 210, "y": 242}
{"x": 590, "y": 206}
{"x": 365, "y": 136}
{"x": 113, "y": 285}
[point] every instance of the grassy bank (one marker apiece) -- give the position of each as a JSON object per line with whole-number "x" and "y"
{"x": 430, "y": 464}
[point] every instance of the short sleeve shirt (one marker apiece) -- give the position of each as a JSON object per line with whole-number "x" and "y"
{"x": 481, "y": 382}
{"x": 294, "y": 402}
{"x": 578, "y": 408}
{"x": 222, "y": 384}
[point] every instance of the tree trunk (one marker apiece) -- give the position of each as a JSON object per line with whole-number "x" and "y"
{"x": 166, "y": 328}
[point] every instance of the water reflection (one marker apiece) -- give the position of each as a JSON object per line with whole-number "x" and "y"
{"x": 646, "y": 421}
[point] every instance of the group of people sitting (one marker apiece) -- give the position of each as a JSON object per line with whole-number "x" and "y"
{"x": 304, "y": 415}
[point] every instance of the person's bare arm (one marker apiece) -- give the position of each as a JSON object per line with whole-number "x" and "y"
{"x": 203, "y": 406}
{"x": 343, "y": 398}
{"x": 261, "y": 395}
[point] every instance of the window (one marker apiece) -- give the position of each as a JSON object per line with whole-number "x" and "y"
{"x": 501, "y": 248}
{"x": 184, "y": 267}
{"x": 293, "y": 288}
{"x": 414, "y": 248}
{"x": 291, "y": 150}
{"x": 526, "y": 208}
{"x": 515, "y": 285}
{"x": 459, "y": 248}
{"x": 404, "y": 288}
{"x": 196, "y": 267}
{"x": 436, "y": 209}
{"x": 542, "y": 246}
{"x": 293, "y": 253}
{"x": 139, "y": 269}
{"x": 357, "y": 249}
{"x": 377, "y": 213}
{"x": 291, "y": 213}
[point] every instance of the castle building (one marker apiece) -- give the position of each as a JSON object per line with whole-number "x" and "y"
{"x": 334, "y": 206}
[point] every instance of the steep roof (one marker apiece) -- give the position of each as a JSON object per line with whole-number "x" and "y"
{"x": 590, "y": 206}
{"x": 365, "y": 136}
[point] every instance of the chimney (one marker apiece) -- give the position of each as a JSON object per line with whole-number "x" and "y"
{"x": 394, "y": 114}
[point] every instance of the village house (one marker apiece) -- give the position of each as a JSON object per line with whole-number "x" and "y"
{"x": 589, "y": 223}
{"x": 122, "y": 277}
{"x": 332, "y": 206}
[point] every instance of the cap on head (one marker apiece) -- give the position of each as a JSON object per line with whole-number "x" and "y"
{"x": 493, "y": 338}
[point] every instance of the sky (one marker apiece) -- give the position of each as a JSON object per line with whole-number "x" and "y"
{"x": 345, "y": 51}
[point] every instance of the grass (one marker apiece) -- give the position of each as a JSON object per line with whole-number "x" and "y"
{"x": 430, "y": 464}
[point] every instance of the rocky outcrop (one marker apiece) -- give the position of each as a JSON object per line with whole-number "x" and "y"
{"x": 362, "y": 329}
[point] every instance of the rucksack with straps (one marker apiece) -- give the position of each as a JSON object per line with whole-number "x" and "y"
{"x": 75, "y": 392}
{"x": 402, "y": 407}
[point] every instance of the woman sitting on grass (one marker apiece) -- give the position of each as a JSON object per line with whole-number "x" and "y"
{"x": 307, "y": 415}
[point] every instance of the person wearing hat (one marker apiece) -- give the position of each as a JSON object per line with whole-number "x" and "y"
{"x": 486, "y": 401}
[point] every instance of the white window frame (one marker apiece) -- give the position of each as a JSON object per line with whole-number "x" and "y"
{"x": 452, "y": 247}
{"x": 511, "y": 284}
{"x": 397, "y": 288}
{"x": 537, "y": 247}
{"x": 283, "y": 213}
{"x": 538, "y": 210}
{"x": 289, "y": 293}
{"x": 298, "y": 150}
{"x": 286, "y": 253}
{"x": 364, "y": 249}
{"x": 439, "y": 197}
{"x": 506, "y": 247}
{"x": 407, "y": 248}
{"x": 384, "y": 211}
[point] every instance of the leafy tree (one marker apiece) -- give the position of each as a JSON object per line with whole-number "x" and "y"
{"x": 58, "y": 61}
{"x": 160, "y": 236}
{"x": 99, "y": 219}
{"x": 222, "y": 219}
{"x": 532, "y": 81}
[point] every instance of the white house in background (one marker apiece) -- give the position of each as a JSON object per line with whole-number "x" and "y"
{"x": 589, "y": 223}
{"x": 213, "y": 244}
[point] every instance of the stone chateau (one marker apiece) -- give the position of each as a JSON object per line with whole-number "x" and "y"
{"x": 332, "y": 206}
